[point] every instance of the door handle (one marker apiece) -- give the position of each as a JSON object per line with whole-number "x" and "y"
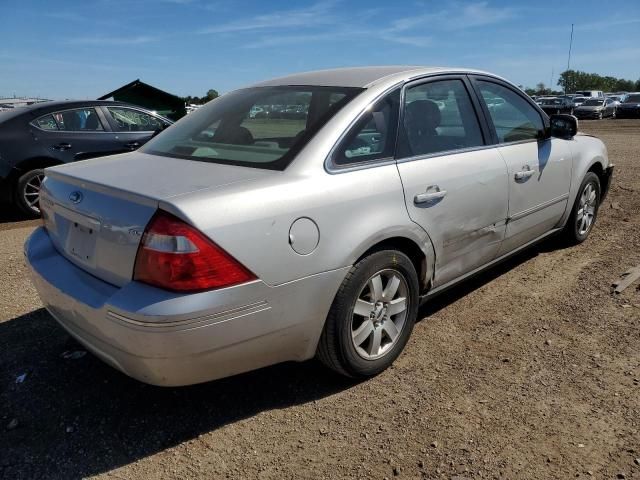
{"x": 429, "y": 196}
{"x": 62, "y": 146}
{"x": 133, "y": 145}
{"x": 524, "y": 174}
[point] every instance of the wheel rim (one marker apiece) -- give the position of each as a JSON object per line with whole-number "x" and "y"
{"x": 586, "y": 209}
{"x": 31, "y": 192}
{"x": 380, "y": 314}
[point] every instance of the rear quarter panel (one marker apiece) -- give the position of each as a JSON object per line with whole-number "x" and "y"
{"x": 353, "y": 211}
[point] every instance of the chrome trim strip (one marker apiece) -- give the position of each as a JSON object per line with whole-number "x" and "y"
{"x": 537, "y": 208}
{"x": 445, "y": 153}
{"x": 212, "y": 319}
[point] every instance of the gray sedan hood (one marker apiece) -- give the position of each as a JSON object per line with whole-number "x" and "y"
{"x": 154, "y": 177}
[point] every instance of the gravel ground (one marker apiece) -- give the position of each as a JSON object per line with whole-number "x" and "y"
{"x": 530, "y": 371}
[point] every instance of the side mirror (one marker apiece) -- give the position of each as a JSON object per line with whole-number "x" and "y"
{"x": 563, "y": 126}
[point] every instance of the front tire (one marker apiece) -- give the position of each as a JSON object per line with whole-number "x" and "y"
{"x": 372, "y": 315}
{"x": 27, "y": 192}
{"x": 585, "y": 210}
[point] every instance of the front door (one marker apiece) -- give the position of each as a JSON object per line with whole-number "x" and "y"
{"x": 455, "y": 183}
{"x": 134, "y": 127}
{"x": 539, "y": 167}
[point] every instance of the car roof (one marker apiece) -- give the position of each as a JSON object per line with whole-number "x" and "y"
{"x": 76, "y": 103}
{"x": 362, "y": 77}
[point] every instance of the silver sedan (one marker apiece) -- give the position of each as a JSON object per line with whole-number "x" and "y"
{"x": 314, "y": 228}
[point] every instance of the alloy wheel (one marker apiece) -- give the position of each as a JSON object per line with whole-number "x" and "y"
{"x": 586, "y": 209}
{"x": 380, "y": 314}
{"x": 31, "y": 191}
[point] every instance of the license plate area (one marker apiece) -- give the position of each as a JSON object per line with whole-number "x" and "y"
{"x": 81, "y": 237}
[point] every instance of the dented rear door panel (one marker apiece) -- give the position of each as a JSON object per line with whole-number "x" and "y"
{"x": 467, "y": 223}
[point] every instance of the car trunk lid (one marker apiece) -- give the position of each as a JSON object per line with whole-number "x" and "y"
{"x": 96, "y": 211}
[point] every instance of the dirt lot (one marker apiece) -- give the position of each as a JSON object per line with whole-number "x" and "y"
{"x": 530, "y": 371}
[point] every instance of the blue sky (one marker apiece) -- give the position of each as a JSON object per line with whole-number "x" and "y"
{"x": 83, "y": 49}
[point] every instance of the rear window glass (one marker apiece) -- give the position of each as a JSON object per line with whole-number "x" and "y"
{"x": 633, "y": 99}
{"x": 261, "y": 127}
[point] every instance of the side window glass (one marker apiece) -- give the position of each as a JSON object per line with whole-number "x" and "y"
{"x": 78, "y": 120}
{"x": 373, "y": 136}
{"x": 513, "y": 117}
{"x": 46, "y": 123}
{"x": 129, "y": 120}
{"x": 438, "y": 117}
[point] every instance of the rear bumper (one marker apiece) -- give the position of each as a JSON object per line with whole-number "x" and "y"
{"x": 169, "y": 339}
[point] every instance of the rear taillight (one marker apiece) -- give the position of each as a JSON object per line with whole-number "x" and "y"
{"x": 175, "y": 256}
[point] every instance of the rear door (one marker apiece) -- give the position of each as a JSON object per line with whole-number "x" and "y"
{"x": 455, "y": 181}
{"x": 539, "y": 167}
{"x": 133, "y": 127}
{"x": 75, "y": 134}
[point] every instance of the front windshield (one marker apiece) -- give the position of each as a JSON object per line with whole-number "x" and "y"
{"x": 262, "y": 127}
{"x": 632, "y": 99}
{"x": 593, "y": 103}
{"x": 552, "y": 101}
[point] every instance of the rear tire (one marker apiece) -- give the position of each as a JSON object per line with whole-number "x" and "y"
{"x": 27, "y": 192}
{"x": 372, "y": 315}
{"x": 585, "y": 210}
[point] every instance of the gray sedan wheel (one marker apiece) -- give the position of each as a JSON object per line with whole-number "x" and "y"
{"x": 27, "y": 194}
{"x": 372, "y": 315}
{"x": 585, "y": 210}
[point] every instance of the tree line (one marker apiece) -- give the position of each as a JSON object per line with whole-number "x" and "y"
{"x": 210, "y": 95}
{"x": 571, "y": 80}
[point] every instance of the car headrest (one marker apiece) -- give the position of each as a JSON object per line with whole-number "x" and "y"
{"x": 422, "y": 115}
{"x": 92, "y": 122}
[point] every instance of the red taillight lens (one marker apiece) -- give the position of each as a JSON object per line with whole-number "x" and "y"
{"x": 175, "y": 256}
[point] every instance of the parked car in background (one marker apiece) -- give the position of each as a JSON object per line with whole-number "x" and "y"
{"x": 577, "y": 101}
{"x": 556, "y": 105}
{"x": 596, "y": 108}
{"x": 590, "y": 93}
{"x": 617, "y": 100}
{"x": 201, "y": 257}
{"x": 630, "y": 107}
{"x": 52, "y": 133}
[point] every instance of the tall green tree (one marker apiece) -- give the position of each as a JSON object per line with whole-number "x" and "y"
{"x": 572, "y": 80}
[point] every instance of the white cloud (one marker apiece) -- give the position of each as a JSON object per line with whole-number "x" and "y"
{"x": 455, "y": 17}
{"x": 115, "y": 40}
{"x": 320, "y": 13}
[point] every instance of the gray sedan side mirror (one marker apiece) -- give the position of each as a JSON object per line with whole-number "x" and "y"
{"x": 563, "y": 126}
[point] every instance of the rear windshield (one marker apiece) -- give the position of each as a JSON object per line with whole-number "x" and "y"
{"x": 632, "y": 99}
{"x": 552, "y": 101}
{"x": 263, "y": 127}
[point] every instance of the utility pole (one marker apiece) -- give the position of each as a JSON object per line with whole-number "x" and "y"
{"x": 566, "y": 81}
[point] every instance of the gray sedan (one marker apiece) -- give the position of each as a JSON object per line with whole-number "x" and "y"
{"x": 231, "y": 242}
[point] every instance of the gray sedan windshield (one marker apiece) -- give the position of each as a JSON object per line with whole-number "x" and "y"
{"x": 260, "y": 127}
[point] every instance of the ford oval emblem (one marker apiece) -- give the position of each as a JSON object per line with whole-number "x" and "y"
{"x": 75, "y": 197}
